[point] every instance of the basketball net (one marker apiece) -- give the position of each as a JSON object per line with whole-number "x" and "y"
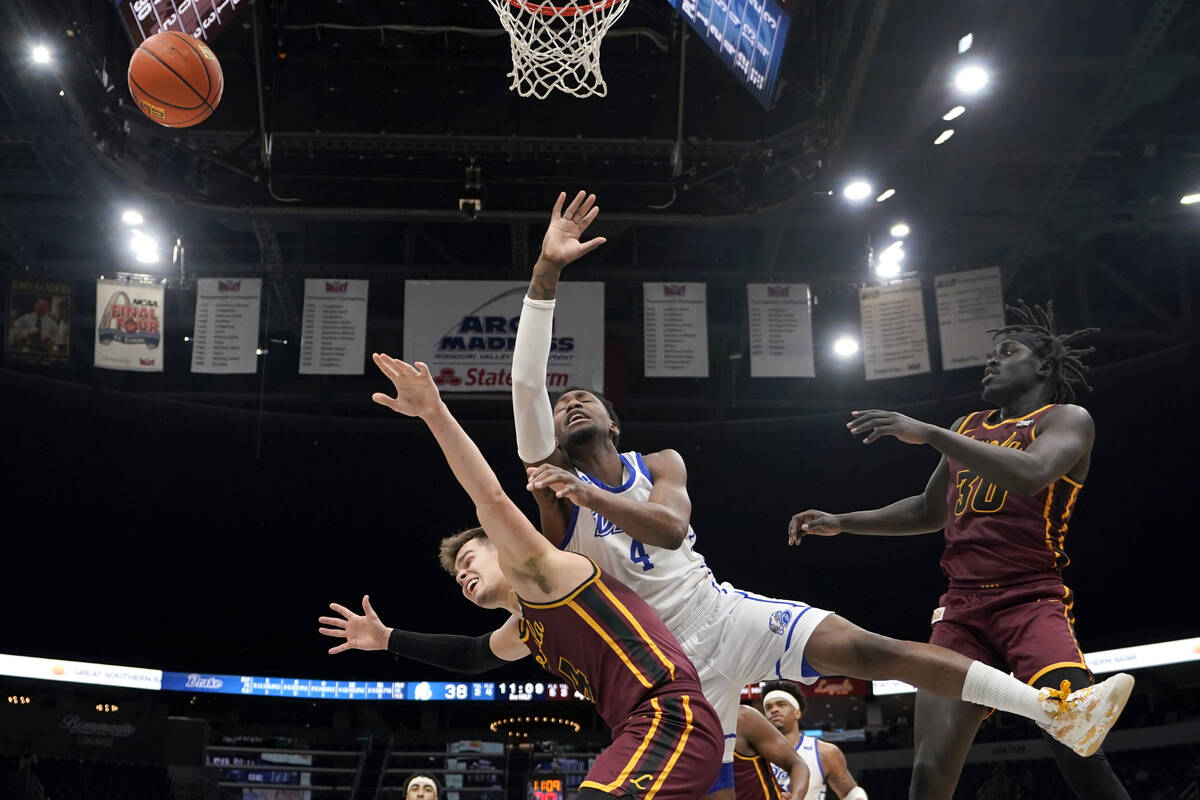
{"x": 557, "y": 47}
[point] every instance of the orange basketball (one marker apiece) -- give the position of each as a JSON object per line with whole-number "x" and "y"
{"x": 175, "y": 79}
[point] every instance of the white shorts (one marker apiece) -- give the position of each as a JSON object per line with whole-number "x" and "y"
{"x": 751, "y": 638}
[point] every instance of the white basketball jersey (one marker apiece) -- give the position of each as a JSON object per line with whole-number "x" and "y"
{"x": 807, "y": 750}
{"x": 677, "y": 584}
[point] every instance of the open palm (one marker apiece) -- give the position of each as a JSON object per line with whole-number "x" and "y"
{"x": 416, "y": 393}
{"x": 561, "y": 244}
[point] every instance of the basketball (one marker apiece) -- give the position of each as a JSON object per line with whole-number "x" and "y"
{"x": 175, "y": 79}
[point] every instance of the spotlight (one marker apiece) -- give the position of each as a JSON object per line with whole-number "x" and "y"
{"x": 1189, "y": 199}
{"x": 944, "y": 136}
{"x": 954, "y": 113}
{"x": 857, "y": 190}
{"x": 40, "y": 54}
{"x": 886, "y": 194}
{"x": 845, "y": 346}
{"x": 971, "y": 79}
{"x": 900, "y": 230}
{"x": 888, "y": 263}
{"x": 132, "y": 216}
{"x": 964, "y": 44}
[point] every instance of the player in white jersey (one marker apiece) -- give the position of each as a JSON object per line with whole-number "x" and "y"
{"x": 784, "y": 705}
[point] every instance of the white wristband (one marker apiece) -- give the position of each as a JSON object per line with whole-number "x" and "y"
{"x": 856, "y": 793}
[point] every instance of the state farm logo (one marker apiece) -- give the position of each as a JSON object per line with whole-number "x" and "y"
{"x": 228, "y": 286}
{"x": 779, "y": 291}
{"x": 195, "y": 681}
{"x": 674, "y": 289}
{"x": 336, "y": 287}
{"x": 447, "y": 377}
{"x": 146, "y": 362}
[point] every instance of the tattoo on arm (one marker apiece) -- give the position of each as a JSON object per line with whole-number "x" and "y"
{"x": 544, "y": 284}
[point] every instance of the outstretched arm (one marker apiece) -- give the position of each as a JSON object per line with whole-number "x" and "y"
{"x": 518, "y": 544}
{"x": 768, "y": 742}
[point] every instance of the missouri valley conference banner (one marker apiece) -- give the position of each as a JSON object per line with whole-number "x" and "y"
{"x": 129, "y": 326}
{"x": 466, "y": 330}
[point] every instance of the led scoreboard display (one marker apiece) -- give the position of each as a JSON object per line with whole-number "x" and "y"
{"x": 199, "y": 18}
{"x": 748, "y": 35}
{"x": 545, "y": 787}
{"x": 320, "y": 689}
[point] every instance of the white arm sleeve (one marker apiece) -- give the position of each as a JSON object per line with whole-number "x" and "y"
{"x": 531, "y": 405}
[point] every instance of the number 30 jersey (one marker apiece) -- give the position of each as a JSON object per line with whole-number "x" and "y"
{"x": 998, "y": 537}
{"x": 677, "y": 584}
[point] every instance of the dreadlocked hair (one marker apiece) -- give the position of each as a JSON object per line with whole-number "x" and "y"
{"x": 1035, "y": 326}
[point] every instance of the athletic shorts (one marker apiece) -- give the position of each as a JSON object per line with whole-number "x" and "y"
{"x": 1028, "y": 629}
{"x": 751, "y": 638}
{"x": 668, "y": 749}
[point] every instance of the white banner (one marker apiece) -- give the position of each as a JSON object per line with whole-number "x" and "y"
{"x": 333, "y": 337}
{"x": 781, "y": 344}
{"x": 969, "y": 304}
{"x": 893, "y": 330}
{"x": 675, "y": 330}
{"x": 225, "y": 337}
{"x": 129, "y": 327}
{"x": 54, "y": 669}
{"x": 465, "y": 331}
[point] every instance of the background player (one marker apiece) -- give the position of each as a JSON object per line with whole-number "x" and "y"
{"x": 784, "y": 704}
{"x": 575, "y": 620}
{"x": 630, "y": 513}
{"x": 1004, "y": 491}
{"x": 758, "y": 750}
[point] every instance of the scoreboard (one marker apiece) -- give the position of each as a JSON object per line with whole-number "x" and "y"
{"x": 200, "y": 18}
{"x": 545, "y": 786}
{"x": 322, "y": 689}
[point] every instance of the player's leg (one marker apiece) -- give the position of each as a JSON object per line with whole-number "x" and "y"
{"x": 1090, "y": 777}
{"x": 945, "y": 729}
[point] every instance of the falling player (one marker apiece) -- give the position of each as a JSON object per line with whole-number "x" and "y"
{"x": 761, "y": 753}
{"x": 1004, "y": 491}
{"x": 784, "y": 704}
{"x": 576, "y": 621}
{"x": 630, "y": 513}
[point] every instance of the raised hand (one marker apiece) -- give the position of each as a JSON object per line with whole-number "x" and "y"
{"x": 888, "y": 423}
{"x": 813, "y": 522}
{"x": 561, "y": 244}
{"x": 563, "y": 483}
{"x": 416, "y": 393}
{"x": 361, "y": 631}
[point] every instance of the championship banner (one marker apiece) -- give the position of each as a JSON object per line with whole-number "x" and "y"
{"x": 466, "y": 330}
{"x": 333, "y": 339}
{"x": 225, "y": 336}
{"x": 893, "y": 330}
{"x": 969, "y": 304}
{"x": 39, "y": 323}
{"x": 129, "y": 326}
{"x": 781, "y": 344}
{"x": 675, "y": 330}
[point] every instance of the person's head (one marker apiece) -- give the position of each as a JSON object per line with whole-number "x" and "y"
{"x": 1029, "y": 355}
{"x": 472, "y": 559}
{"x": 422, "y": 787}
{"x": 783, "y": 705}
{"x": 41, "y": 306}
{"x": 582, "y": 417}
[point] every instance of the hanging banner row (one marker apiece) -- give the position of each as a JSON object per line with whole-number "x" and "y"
{"x": 466, "y": 330}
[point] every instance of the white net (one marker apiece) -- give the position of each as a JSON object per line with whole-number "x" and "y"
{"x": 557, "y": 46}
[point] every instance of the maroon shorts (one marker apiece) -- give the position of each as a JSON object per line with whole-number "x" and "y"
{"x": 1029, "y": 629}
{"x": 670, "y": 749}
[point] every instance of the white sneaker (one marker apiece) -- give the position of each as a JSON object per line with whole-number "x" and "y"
{"x": 1083, "y": 718}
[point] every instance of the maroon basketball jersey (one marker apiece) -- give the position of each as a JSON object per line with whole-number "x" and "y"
{"x": 610, "y": 646}
{"x": 994, "y": 536}
{"x": 753, "y": 779}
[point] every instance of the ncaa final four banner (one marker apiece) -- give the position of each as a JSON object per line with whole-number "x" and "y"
{"x": 466, "y": 330}
{"x": 129, "y": 329}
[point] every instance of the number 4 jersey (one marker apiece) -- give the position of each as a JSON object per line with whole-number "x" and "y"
{"x": 995, "y": 537}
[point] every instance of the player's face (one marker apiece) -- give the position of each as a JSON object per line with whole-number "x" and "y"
{"x": 41, "y": 308}
{"x": 477, "y": 571}
{"x": 580, "y": 417}
{"x": 782, "y": 714}
{"x": 420, "y": 790}
{"x": 1012, "y": 369}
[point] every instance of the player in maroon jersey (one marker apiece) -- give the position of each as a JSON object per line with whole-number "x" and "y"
{"x": 757, "y": 746}
{"x": 1004, "y": 491}
{"x": 575, "y": 620}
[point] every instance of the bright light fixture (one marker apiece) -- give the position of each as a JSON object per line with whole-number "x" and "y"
{"x": 1189, "y": 199}
{"x": 132, "y": 217}
{"x": 954, "y": 113}
{"x": 886, "y": 194}
{"x": 857, "y": 190}
{"x": 944, "y": 136}
{"x": 887, "y": 269}
{"x": 900, "y": 230}
{"x": 140, "y": 242}
{"x": 845, "y": 346}
{"x": 971, "y": 79}
{"x": 147, "y": 256}
{"x": 964, "y": 44}
{"x": 40, "y": 54}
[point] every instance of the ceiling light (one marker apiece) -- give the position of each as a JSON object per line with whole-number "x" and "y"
{"x": 944, "y": 136}
{"x": 857, "y": 190}
{"x": 1189, "y": 199}
{"x": 886, "y": 194}
{"x": 40, "y": 54}
{"x": 887, "y": 269}
{"x": 132, "y": 217}
{"x": 964, "y": 44}
{"x": 140, "y": 242}
{"x": 845, "y": 346}
{"x": 900, "y": 230}
{"x": 147, "y": 256}
{"x": 971, "y": 79}
{"x": 954, "y": 113}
